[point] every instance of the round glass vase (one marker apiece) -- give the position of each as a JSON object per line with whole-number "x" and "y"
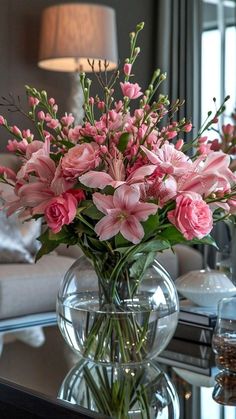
{"x": 128, "y": 320}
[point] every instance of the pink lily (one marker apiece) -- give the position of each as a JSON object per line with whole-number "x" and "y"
{"x": 124, "y": 211}
{"x": 169, "y": 160}
{"x": 100, "y": 180}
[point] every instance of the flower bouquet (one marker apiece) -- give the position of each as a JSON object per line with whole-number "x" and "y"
{"x": 122, "y": 186}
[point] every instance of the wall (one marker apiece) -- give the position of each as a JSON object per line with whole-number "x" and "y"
{"x": 19, "y": 36}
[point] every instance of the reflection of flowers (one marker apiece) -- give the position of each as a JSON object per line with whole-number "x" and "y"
{"x": 143, "y": 390}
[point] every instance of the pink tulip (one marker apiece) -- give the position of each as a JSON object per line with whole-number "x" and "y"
{"x": 124, "y": 211}
{"x": 192, "y": 216}
{"x": 131, "y": 90}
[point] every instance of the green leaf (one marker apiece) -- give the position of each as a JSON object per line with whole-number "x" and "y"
{"x": 92, "y": 212}
{"x": 47, "y": 245}
{"x": 173, "y": 235}
{"x": 205, "y": 240}
{"x": 67, "y": 144}
{"x": 62, "y": 235}
{"x": 157, "y": 245}
{"x": 142, "y": 263}
{"x": 96, "y": 244}
{"x": 123, "y": 141}
{"x": 120, "y": 241}
{"x": 150, "y": 226}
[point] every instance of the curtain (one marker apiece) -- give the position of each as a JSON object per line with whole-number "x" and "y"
{"x": 177, "y": 51}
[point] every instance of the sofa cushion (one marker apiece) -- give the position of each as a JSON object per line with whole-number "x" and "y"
{"x": 27, "y": 289}
{"x": 17, "y": 239}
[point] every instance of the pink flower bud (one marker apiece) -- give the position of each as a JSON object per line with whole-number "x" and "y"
{"x": 51, "y": 101}
{"x": 101, "y": 105}
{"x": 2, "y": 120}
{"x": 188, "y": 127}
{"x": 215, "y": 145}
{"x": 228, "y": 129}
{"x": 215, "y": 120}
{"x": 131, "y": 90}
{"x": 54, "y": 123}
{"x": 55, "y": 108}
{"x": 171, "y": 134}
{"x": 41, "y": 115}
{"x": 202, "y": 140}
{"x": 127, "y": 69}
{"x": 91, "y": 100}
{"x": 103, "y": 149}
{"x": 15, "y": 130}
{"x": 33, "y": 101}
{"x": 179, "y": 144}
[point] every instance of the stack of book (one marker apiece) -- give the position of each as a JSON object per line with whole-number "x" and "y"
{"x": 196, "y": 323}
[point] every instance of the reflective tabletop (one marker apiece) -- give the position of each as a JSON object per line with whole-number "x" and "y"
{"x": 41, "y": 375}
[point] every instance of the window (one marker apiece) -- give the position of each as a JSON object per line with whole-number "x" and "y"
{"x": 218, "y": 56}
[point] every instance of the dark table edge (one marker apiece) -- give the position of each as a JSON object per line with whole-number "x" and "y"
{"x": 41, "y": 405}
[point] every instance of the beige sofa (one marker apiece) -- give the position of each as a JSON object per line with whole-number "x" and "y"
{"x": 32, "y": 288}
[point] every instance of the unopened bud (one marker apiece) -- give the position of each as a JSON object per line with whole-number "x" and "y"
{"x": 140, "y": 26}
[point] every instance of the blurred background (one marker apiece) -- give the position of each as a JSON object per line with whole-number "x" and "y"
{"x": 193, "y": 41}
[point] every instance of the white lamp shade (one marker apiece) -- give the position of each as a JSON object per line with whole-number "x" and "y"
{"x": 73, "y": 33}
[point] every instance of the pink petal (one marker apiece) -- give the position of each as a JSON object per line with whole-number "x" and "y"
{"x": 95, "y": 179}
{"x": 143, "y": 210}
{"x": 132, "y": 230}
{"x": 103, "y": 202}
{"x": 151, "y": 156}
{"x": 107, "y": 227}
{"x": 140, "y": 173}
{"x": 126, "y": 197}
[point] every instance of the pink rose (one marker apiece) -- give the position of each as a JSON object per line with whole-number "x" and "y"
{"x": 192, "y": 216}
{"x": 131, "y": 90}
{"x": 80, "y": 159}
{"x": 60, "y": 211}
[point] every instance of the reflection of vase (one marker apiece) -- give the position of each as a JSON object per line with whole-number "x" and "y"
{"x": 126, "y": 317}
{"x": 140, "y": 391}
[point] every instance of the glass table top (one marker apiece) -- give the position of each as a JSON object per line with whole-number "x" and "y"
{"x": 39, "y": 362}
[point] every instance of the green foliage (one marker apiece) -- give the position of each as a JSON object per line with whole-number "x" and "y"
{"x": 139, "y": 267}
{"x": 123, "y": 141}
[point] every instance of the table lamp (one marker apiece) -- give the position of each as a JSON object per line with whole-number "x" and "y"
{"x": 72, "y": 34}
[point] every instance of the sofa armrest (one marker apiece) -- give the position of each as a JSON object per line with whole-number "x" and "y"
{"x": 69, "y": 251}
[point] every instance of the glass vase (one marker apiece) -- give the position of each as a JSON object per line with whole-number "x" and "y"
{"x": 141, "y": 391}
{"x": 126, "y": 317}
